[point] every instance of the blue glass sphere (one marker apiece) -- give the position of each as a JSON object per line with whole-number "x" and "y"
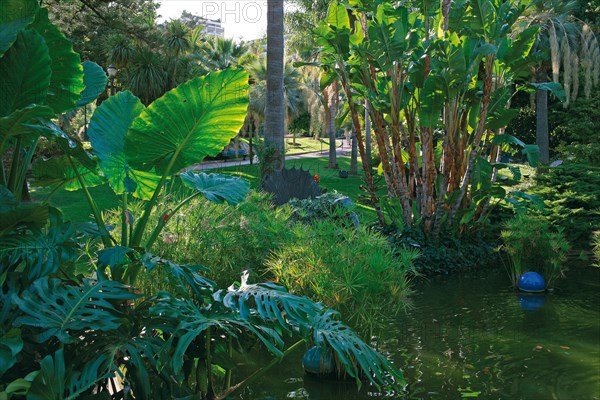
{"x": 532, "y": 282}
{"x": 318, "y": 361}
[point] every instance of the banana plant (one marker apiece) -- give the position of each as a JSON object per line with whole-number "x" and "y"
{"x": 438, "y": 83}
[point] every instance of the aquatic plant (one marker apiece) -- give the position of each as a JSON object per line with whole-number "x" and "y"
{"x": 532, "y": 245}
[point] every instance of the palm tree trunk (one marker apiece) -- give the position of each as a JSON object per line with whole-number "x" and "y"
{"x": 275, "y": 106}
{"x": 331, "y": 127}
{"x": 354, "y": 154}
{"x": 541, "y": 129}
{"x": 368, "y": 135}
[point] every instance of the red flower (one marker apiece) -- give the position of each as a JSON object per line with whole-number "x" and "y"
{"x": 165, "y": 217}
{"x": 316, "y": 178}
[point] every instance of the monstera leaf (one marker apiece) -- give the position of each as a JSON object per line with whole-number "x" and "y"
{"x": 10, "y": 345}
{"x": 66, "y": 83}
{"x": 192, "y": 320}
{"x": 190, "y": 122}
{"x": 217, "y": 188}
{"x": 272, "y": 302}
{"x": 15, "y": 15}
{"x": 59, "y": 310}
{"x": 107, "y": 132}
{"x": 25, "y": 72}
{"x": 94, "y": 80}
{"x": 57, "y": 381}
{"x": 358, "y": 358}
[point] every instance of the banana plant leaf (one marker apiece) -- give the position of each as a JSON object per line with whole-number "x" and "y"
{"x": 66, "y": 83}
{"x": 25, "y": 72}
{"x": 107, "y": 131}
{"x": 194, "y": 120}
{"x": 94, "y": 80}
{"x": 217, "y": 188}
{"x": 15, "y": 15}
{"x": 59, "y": 310}
{"x": 57, "y": 381}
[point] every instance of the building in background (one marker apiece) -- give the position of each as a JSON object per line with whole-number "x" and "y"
{"x": 212, "y": 27}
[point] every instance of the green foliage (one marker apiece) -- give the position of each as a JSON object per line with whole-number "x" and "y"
{"x": 331, "y": 205}
{"x": 344, "y": 267}
{"x": 571, "y": 194}
{"x": 596, "y": 247}
{"x": 532, "y": 245}
{"x": 447, "y": 254}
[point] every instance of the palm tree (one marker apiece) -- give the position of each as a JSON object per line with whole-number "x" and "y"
{"x": 178, "y": 42}
{"x": 573, "y": 47}
{"x": 220, "y": 53}
{"x": 274, "y": 159}
{"x": 294, "y": 93}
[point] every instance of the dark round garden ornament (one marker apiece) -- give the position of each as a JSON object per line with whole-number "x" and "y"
{"x": 343, "y": 173}
{"x": 318, "y": 361}
{"x": 532, "y": 282}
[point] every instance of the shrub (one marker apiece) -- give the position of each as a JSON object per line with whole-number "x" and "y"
{"x": 331, "y": 205}
{"x": 572, "y": 200}
{"x": 353, "y": 269}
{"x": 449, "y": 253}
{"x": 532, "y": 245}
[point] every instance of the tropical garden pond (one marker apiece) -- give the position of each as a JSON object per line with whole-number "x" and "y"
{"x": 472, "y": 336}
{"x": 127, "y": 273}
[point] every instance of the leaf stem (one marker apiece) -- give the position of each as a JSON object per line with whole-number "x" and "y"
{"x": 257, "y": 374}
{"x": 106, "y": 238}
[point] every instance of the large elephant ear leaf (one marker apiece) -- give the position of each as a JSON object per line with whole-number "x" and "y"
{"x": 59, "y": 172}
{"x": 60, "y": 310}
{"x": 15, "y": 15}
{"x": 94, "y": 80}
{"x": 66, "y": 83}
{"x": 358, "y": 358}
{"x": 24, "y": 73}
{"x": 190, "y": 122}
{"x": 107, "y": 130}
{"x": 217, "y": 188}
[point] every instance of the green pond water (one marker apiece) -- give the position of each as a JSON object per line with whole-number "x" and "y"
{"x": 469, "y": 336}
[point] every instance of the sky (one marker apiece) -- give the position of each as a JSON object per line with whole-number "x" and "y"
{"x": 242, "y": 19}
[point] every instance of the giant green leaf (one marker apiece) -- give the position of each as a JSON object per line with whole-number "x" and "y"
{"x": 107, "y": 130}
{"x": 337, "y": 16}
{"x": 94, "y": 80}
{"x": 217, "y": 188}
{"x": 20, "y": 122}
{"x": 58, "y": 171}
{"x": 66, "y": 83}
{"x": 190, "y": 122}
{"x": 24, "y": 73}
{"x": 432, "y": 102}
{"x": 15, "y": 15}
{"x": 55, "y": 308}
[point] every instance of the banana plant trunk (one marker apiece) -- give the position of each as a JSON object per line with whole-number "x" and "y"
{"x": 332, "y": 109}
{"x": 275, "y": 106}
